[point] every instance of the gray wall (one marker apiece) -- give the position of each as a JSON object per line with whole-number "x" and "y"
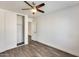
{"x": 60, "y": 29}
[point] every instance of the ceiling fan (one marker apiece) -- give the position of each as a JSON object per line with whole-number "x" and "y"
{"x": 34, "y": 8}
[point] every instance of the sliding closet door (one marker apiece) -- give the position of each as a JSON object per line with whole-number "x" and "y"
{"x": 11, "y": 30}
{"x": 2, "y": 40}
{"x": 20, "y": 29}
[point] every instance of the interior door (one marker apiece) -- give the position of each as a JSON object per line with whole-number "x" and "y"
{"x": 29, "y": 32}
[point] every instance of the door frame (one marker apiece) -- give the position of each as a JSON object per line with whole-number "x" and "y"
{"x": 23, "y": 30}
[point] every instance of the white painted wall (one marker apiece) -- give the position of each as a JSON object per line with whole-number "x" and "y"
{"x": 34, "y": 29}
{"x": 8, "y": 30}
{"x": 30, "y": 19}
{"x": 60, "y": 30}
{"x": 26, "y": 29}
{"x": 2, "y": 48}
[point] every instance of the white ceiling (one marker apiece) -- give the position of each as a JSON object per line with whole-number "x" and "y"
{"x": 50, "y": 6}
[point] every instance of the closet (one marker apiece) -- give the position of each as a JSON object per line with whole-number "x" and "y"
{"x": 8, "y": 30}
{"x": 20, "y": 29}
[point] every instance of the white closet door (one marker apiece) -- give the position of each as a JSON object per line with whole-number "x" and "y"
{"x": 20, "y": 29}
{"x": 2, "y": 40}
{"x": 19, "y": 34}
{"x": 11, "y": 30}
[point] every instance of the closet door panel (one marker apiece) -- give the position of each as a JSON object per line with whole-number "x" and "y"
{"x": 11, "y": 30}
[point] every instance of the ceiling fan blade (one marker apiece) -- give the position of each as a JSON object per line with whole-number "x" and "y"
{"x": 41, "y": 5}
{"x": 27, "y": 9}
{"x": 40, "y": 11}
{"x": 28, "y": 4}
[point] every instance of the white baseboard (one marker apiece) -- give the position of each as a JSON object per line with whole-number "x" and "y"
{"x": 56, "y": 47}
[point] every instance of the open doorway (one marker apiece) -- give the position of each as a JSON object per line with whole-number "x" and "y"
{"x": 20, "y": 30}
{"x": 29, "y": 32}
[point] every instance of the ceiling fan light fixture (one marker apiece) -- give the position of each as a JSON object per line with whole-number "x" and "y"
{"x": 34, "y": 10}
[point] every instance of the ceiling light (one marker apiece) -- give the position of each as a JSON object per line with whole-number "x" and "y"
{"x": 34, "y": 10}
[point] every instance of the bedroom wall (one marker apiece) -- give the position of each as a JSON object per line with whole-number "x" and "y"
{"x": 8, "y": 30}
{"x": 60, "y": 29}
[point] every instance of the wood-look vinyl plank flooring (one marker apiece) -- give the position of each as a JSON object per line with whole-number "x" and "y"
{"x": 35, "y": 49}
